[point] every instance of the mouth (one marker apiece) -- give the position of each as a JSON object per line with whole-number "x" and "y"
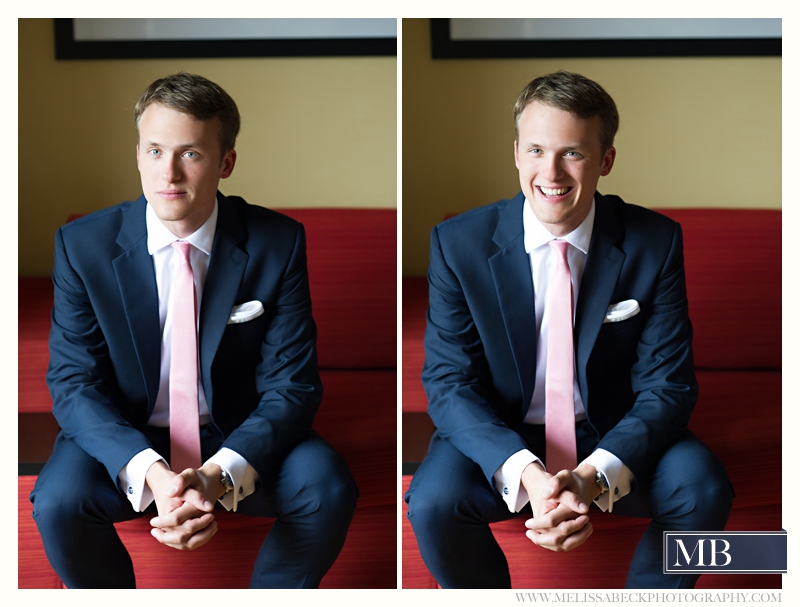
{"x": 553, "y": 193}
{"x": 171, "y": 194}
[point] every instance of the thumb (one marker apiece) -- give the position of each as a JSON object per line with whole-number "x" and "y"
{"x": 556, "y": 484}
{"x": 180, "y": 482}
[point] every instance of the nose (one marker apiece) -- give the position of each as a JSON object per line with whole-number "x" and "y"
{"x": 552, "y": 169}
{"x": 172, "y": 172}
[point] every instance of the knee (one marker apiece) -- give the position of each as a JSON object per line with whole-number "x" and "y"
{"x": 57, "y": 508}
{"x": 339, "y": 488}
{"x": 712, "y": 491}
{"x": 432, "y": 510}
{"x": 702, "y": 495}
{"x": 707, "y": 482}
{"x": 328, "y": 488}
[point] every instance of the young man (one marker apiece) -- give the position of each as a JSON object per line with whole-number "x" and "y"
{"x": 183, "y": 366}
{"x": 558, "y": 360}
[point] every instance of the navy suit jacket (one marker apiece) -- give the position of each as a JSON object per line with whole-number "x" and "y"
{"x": 636, "y": 377}
{"x": 260, "y": 377}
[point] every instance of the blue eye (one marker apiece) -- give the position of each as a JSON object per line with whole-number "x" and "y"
{"x": 191, "y": 154}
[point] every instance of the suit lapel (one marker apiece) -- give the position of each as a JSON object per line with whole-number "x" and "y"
{"x": 603, "y": 267}
{"x": 225, "y": 272}
{"x": 137, "y": 286}
{"x": 511, "y": 272}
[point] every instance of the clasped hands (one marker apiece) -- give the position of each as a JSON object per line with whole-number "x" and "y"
{"x": 185, "y": 503}
{"x": 560, "y": 505}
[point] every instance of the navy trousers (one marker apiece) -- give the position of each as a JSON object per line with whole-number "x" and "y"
{"x": 450, "y": 506}
{"x": 311, "y": 494}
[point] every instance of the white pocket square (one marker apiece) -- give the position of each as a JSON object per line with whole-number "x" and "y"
{"x": 245, "y": 312}
{"x": 622, "y": 311}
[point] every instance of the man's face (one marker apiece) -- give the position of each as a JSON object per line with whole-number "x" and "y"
{"x": 560, "y": 161}
{"x": 180, "y": 164}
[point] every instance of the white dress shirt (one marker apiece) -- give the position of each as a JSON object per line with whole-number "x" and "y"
{"x": 508, "y": 477}
{"x": 165, "y": 261}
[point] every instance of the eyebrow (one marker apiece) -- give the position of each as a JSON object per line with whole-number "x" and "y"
{"x": 181, "y": 146}
{"x": 573, "y": 146}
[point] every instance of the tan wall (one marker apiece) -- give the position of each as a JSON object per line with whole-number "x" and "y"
{"x": 695, "y": 132}
{"x": 315, "y": 132}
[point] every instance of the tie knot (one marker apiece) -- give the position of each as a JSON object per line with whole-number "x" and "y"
{"x": 183, "y": 249}
{"x": 560, "y": 247}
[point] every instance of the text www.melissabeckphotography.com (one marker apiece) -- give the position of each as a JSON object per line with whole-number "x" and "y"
{"x": 648, "y": 597}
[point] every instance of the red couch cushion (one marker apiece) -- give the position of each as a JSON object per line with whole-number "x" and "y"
{"x": 738, "y": 415}
{"x": 733, "y": 277}
{"x": 352, "y": 260}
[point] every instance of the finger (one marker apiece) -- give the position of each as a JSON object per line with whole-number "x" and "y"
{"x": 180, "y": 536}
{"x": 177, "y": 517}
{"x": 202, "y": 537}
{"x": 577, "y": 538}
{"x": 573, "y": 502}
{"x": 197, "y": 499}
{"x": 541, "y": 508}
{"x": 181, "y": 481}
{"x": 556, "y": 541}
{"x": 552, "y": 518}
{"x": 183, "y": 541}
{"x": 556, "y": 483}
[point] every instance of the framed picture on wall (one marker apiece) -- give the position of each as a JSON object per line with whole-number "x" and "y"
{"x": 543, "y": 38}
{"x": 205, "y": 38}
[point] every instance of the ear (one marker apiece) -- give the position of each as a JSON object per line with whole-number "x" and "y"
{"x": 516, "y": 153}
{"x": 228, "y": 162}
{"x": 138, "y": 165}
{"x": 608, "y": 161}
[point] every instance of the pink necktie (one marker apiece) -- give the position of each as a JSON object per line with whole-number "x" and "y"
{"x": 184, "y": 417}
{"x": 559, "y": 400}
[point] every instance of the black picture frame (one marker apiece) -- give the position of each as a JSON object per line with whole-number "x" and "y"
{"x": 68, "y": 48}
{"x": 444, "y": 47}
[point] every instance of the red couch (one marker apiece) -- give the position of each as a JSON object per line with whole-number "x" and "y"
{"x": 734, "y": 287}
{"x": 352, "y": 261}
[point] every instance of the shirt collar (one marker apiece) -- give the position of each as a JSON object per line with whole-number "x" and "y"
{"x": 158, "y": 236}
{"x": 536, "y": 235}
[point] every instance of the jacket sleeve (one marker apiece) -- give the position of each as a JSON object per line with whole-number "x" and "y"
{"x": 456, "y": 374}
{"x": 661, "y": 375}
{"x": 80, "y": 376}
{"x": 287, "y": 379}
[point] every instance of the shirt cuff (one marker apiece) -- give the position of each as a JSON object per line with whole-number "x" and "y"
{"x": 508, "y": 479}
{"x": 132, "y": 479}
{"x": 244, "y": 476}
{"x": 617, "y": 474}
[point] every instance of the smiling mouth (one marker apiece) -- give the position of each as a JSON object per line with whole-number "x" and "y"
{"x": 552, "y": 192}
